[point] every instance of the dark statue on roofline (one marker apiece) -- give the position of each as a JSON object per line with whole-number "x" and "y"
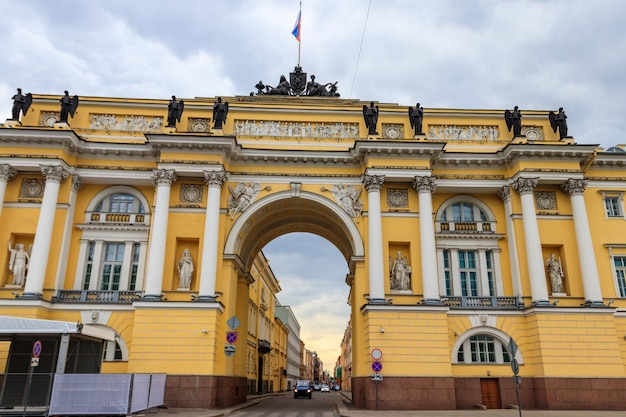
{"x": 21, "y": 103}
{"x": 297, "y": 86}
{"x": 559, "y": 121}
{"x": 175, "y": 110}
{"x": 68, "y": 106}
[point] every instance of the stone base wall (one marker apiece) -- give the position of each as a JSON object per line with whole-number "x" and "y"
{"x": 429, "y": 393}
{"x": 404, "y": 393}
{"x": 200, "y": 391}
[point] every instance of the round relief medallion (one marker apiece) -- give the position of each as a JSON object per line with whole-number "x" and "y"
{"x": 49, "y": 121}
{"x": 33, "y": 190}
{"x": 199, "y": 126}
{"x": 397, "y": 199}
{"x": 393, "y": 132}
{"x": 544, "y": 201}
{"x": 191, "y": 194}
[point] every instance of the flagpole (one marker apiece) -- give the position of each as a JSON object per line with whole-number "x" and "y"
{"x": 300, "y": 40}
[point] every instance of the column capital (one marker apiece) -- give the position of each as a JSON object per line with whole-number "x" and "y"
{"x": 54, "y": 173}
{"x": 525, "y": 185}
{"x": 373, "y": 182}
{"x": 215, "y": 177}
{"x": 7, "y": 172}
{"x": 423, "y": 183}
{"x": 163, "y": 177}
{"x": 77, "y": 182}
{"x": 574, "y": 186}
{"x": 505, "y": 193}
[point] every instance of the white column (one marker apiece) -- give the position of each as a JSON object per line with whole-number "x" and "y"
{"x": 81, "y": 264}
{"x": 38, "y": 262}
{"x": 6, "y": 173}
{"x": 163, "y": 180}
{"x": 77, "y": 183}
{"x": 373, "y": 185}
{"x": 505, "y": 195}
{"x": 208, "y": 269}
{"x": 534, "y": 258}
{"x": 425, "y": 187}
{"x": 586, "y": 255}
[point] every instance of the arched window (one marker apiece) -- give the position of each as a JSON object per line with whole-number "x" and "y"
{"x": 482, "y": 348}
{"x": 464, "y": 217}
{"x": 114, "y": 243}
{"x": 120, "y": 203}
{"x": 468, "y": 254}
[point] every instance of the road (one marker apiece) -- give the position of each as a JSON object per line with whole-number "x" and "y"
{"x": 323, "y": 404}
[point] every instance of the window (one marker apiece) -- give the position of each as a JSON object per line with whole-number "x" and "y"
{"x": 468, "y": 252}
{"x": 467, "y": 269}
{"x": 120, "y": 203}
{"x": 464, "y": 277}
{"x": 134, "y": 267}
{"x": 88, "y": 267}
{"x": 613, "y": 206}
{"x": 112, "y": 266}
{"x": 482, "y": 348}
{"x": 620, "y": 274}
{"x": 464, "y": 217}
{"x": 113, "y": 256}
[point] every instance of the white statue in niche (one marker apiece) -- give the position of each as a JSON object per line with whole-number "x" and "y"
{"x": 400, "y": 273}
{"x": 555, "y": 272}
{"x": 185, "y": 269}
{"x": 18, "y": 263}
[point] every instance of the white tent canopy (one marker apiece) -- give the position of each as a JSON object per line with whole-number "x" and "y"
{"x": 19, "y": 325}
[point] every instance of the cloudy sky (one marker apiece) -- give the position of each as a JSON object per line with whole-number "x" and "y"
{"x": 479, "y": 54}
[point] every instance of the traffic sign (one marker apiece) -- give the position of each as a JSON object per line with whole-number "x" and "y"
{"x": 34, "y": 362}
{"x": 37, "y": 349}
{"x": 231, "y": 337}
{"x": 377, "y": 366}
{"x": 233, "y": 322}
{"x": 229, "y": 350}
{"x": 377, "y": 354}
{"x": 515, "y": 366}
{"x": 377, "y": 377}
{"x": 512, "y": 347}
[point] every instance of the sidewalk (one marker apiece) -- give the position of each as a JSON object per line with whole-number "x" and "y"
{"x": 345, "y": 409}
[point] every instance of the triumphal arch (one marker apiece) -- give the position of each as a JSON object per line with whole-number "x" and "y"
{"x": 477, "y": 241}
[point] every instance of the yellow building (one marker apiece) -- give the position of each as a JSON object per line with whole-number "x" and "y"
{"x": 267, "y": 335}
{"x": 447, "y": 236}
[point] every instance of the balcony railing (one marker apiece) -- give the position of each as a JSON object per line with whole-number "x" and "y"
{"x": 465, "y": 227}
{"x": 264, "y": 346}
{"x": 484, "y": 303}
{"x": 97, "y": 217}
{"x": 97, "y": 296}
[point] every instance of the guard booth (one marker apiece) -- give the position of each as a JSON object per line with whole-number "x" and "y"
{"x": 36, "y": 350}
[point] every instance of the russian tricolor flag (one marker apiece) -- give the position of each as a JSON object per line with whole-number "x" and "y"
{"x": 297, "y": 27}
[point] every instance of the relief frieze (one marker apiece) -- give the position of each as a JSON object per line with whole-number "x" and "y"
{"x": 300, "y": 130}
{"x": 456, "y": 132}
{"x": 127, "y": 123}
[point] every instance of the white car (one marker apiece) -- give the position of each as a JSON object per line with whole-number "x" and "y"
{"x": 325, "y": 388}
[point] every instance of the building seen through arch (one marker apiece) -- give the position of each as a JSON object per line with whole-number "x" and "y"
{"x": 460, "y": 243}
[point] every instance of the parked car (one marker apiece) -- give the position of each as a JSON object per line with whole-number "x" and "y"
{"x": 337, "y": 387}
{"x": 303, "y": 389}
{"x": 317, "y": 387}
{"x": 325, "y": 388}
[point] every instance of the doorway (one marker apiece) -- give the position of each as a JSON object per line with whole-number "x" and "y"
{"x": 490, "y": 390}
